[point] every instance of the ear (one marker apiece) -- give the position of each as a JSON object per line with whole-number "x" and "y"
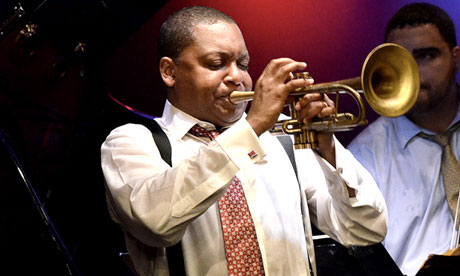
{"x": 456, "y": 57}
{"x": 167, "y": 71}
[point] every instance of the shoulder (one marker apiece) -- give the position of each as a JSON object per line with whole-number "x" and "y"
{"x": 372, "y": 140}
{"x": 375, "y": 133}
{"x": 129, "y": 133}
{"x": 131, "y": 128}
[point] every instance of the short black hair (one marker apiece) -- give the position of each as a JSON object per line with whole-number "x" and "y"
{"x": 176, "y": 33}
{"x": 417, "y": 14}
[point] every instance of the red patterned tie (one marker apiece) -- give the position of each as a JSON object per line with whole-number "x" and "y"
{"x": 240, "y": 239}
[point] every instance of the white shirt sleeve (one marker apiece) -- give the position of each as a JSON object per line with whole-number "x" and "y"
{"x": 359, "y": 220}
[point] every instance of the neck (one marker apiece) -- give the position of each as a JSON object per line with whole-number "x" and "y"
{"x": 438, "y": 118}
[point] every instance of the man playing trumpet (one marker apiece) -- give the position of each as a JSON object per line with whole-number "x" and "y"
{"x": 231, "y": 197}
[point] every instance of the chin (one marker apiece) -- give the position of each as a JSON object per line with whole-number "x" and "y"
{"x": 230, "y": 121}
{"x": 230, "y": 116}
{"x": 225, "y": 121}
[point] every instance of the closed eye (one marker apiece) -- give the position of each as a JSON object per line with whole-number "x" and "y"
{"x": 215, "y": 64}
{"x": 243, "y": 66}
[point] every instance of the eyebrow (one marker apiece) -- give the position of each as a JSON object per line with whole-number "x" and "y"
{"x": 225, "y": 54}
{"x": 427, "y": 49}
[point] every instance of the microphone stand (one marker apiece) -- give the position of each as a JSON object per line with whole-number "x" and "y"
{"x": 59, "y": 244}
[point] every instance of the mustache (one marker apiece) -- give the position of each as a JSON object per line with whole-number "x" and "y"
{"x": 425, "y": 86}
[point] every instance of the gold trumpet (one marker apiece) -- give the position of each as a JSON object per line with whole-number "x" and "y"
{"x": 390, "y": 81}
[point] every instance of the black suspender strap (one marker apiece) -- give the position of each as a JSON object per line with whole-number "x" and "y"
{"x": 288, "y": 147}
{"x": 161, "y": 140}
{"x": 287, "y": 144}
{"x": 174, "y": 253}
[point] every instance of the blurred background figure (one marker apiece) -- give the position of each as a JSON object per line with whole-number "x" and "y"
{"x": 414, "y": 157}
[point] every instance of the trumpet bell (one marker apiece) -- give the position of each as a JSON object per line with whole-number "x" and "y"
{"x": 390, "y": 80}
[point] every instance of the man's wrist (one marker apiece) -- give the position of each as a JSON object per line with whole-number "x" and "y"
{"x": 255, "y": 125}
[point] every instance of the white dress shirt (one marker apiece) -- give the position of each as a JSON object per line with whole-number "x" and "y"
{"x": 407, "y": 169}
{"x": 158, "y": 206}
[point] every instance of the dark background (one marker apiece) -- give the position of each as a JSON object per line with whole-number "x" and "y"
{"x": 64, "y": 87}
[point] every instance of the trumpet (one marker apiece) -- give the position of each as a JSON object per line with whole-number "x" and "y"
{"x": 389, "y": 80}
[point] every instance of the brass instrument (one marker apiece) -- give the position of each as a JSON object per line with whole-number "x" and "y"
{"x": 390, "y": 82}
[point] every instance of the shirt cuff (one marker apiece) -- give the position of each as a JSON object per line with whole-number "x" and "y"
{"x": 342, "y": 173}
{"x": 241, "y": 144}
{"x": 346, "y": 165}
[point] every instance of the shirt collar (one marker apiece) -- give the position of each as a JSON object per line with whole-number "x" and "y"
{"x": 178, "y": 123}
{"x": 408, "y": 130}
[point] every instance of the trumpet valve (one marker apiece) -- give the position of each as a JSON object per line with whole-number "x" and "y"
{"x": 302, "y": 75}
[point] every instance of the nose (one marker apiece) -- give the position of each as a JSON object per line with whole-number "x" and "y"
{"x": 235, "y": 75}
{"x": 422, "y": 73}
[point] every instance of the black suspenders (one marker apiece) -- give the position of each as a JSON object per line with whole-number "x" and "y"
{"x": 174, "y": 253}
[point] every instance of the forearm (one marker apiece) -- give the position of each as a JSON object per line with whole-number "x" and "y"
{"x": 326, "y": 147}
{"x": 358, "y": 218}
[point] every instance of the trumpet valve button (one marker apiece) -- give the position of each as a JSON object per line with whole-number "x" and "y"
{"x": 303, "y": 75}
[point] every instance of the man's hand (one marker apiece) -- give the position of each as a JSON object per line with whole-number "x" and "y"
{"x": 271, "y": 92}
{"x": 318, "y": 105}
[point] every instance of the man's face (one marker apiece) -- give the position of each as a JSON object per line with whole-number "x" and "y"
{"x": 436, "y": 60}
{"x": 214, "y": 65}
